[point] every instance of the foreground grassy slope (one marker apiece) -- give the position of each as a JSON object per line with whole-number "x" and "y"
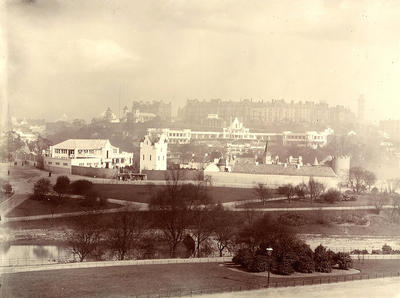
{"x": 147, "y": 279}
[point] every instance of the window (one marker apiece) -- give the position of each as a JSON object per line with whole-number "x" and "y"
{"x": 150, "y": 156}
{"x": 122, "y": 160}
{"x": 65, "y": 164}
{"x": 158, "y": 157}
{"x": 79, "y": 151}
{"x": 143, "y": 156}
{"x": 57, "y": 163}
{"x": 49, "y": 163}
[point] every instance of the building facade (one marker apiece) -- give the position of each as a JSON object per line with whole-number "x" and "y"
{"x": 96, "y": 153}
{"x": 236, "y": 131}
{"x": 153, "y": 152}
{"x": 158, "y": 108}
{"x": 262, "y": 112}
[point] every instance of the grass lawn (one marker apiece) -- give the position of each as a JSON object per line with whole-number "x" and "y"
{"x": 362, "y": 200}
{"x": 33, "y": 207}
{"x": 152, "y": 279}
{"x": 142, "y": 193}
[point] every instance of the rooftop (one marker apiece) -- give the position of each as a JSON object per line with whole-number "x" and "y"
{"x": 82, "y": 144}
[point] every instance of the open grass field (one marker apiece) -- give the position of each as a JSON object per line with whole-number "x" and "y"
{"x": 151, "y": 279}
{"x": 33, "y": 207}
{"x": 362, "y": 200}
{"x": 142, "y": 193}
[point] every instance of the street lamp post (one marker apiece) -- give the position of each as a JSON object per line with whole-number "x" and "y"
{"x": 269, "y": 254}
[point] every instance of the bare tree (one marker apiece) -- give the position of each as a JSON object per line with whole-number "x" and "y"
{"x": 61, "y": 186}
{"x": 85, "y": 237}
{"x": 223, "y": 229}
{"x": 289, "y": 191}
{"x": 262, "y": 192}
{"x": 41, "y": 188}
{"x": 171, "y": 209}
{"x": 360, "y": 179}
{"x": 125, "y": 232}
{"x": 199, "y": 206}
{"x": 369, "y": 179}
{"x": 392, "y": 185}
{"x": 395, "y": 216}
{"x": 315, "y": 189}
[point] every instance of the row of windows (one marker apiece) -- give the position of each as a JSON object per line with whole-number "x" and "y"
{"x": 150, "y": 157}
{"x": 89, "y": 164}
{"x": 64, "y": 151}
{"x": 91, "y": 151}
{"x": 176, "y": 134}
{"x": 57, "y": 163}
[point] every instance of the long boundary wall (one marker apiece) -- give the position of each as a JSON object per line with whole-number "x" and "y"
{"x": 94, "y": 172}
{"x": 222, "y": 178}
{"x": 57, "y": 165}
{"x": 192, "y": 175}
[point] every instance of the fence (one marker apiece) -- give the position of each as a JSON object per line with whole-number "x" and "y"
{"x": 295, "y": 282}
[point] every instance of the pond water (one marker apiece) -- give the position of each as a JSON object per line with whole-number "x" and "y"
{"x": 21, "y": 255}
{"x": 18, "y": 255}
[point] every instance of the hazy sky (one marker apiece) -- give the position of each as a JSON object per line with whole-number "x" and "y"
{"x": 80, "y": 56}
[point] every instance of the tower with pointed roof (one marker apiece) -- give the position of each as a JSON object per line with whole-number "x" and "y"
{"x": 267, "y": 158}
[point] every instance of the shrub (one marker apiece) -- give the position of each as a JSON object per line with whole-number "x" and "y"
{"x": 323, "y": 259}
{"x": 41, "y": 188}
{"x": 356, "y": 219}
{"x": 386, "y": 249}
{"x": 331, "y": 196}
{"x": 291, "y": 219}
{"x": 258, "y": 264}
{"x": 359, "y": 252}
{"x": 243, "y": 257}
{"x": 81, "y": 187}
{"x": 374, "y": 190}
{"x": 301, "y": 190}
{"x": 343, "y": 260}
{"x": 7, "y": 188}
{"x": 305, "y": 259}
{"x": 376, "y": 252}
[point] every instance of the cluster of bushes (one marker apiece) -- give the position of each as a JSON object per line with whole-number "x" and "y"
{"x": 42, "y": 191}
{"x": 386, "y": 250}
{"x": 292, "y": 219}
{"x": 351, "y": 219}
{"x": 297, "y": 257}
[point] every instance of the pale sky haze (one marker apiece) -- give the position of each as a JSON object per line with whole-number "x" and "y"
{"x": 79, "y": 56}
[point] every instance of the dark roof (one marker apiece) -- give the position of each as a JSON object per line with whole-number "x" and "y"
{"x": 315, "y": 171}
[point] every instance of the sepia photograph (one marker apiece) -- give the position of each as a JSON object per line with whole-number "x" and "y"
{"x": 200, "y": 148}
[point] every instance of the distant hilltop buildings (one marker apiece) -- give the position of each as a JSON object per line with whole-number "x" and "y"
{"x": 236, "y": 131}
{"x": 263, "y": 112}
{"x": 139, "y": 113}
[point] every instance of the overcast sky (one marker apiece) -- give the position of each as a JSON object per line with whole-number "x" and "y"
{"x": 79, "y": 56}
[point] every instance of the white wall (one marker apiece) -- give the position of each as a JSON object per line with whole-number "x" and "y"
{"x": 273, "y": 180}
